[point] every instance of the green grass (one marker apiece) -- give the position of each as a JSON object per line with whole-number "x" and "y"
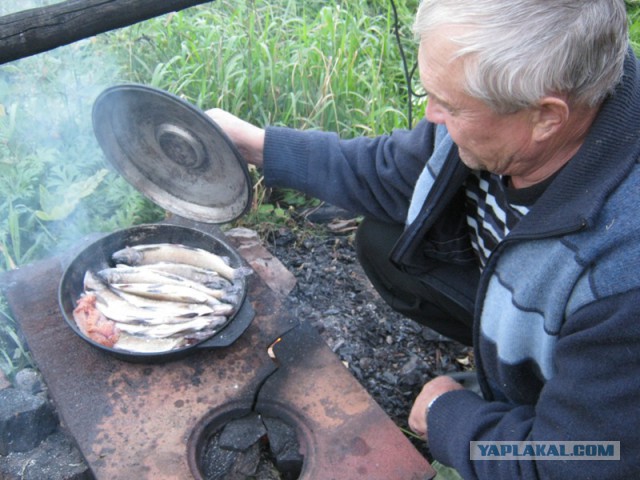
{"x": 633, "y": 12}
{"x": 302, "y": 64}
{"x": 14, "y": 355}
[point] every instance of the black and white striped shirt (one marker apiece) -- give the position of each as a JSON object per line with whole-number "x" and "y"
{"x": 494, "y": 209}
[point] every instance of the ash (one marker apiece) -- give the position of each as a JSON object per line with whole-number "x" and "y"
{"x": 390, "y": 355}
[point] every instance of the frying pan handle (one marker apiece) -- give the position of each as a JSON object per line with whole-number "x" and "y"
{"x": 232, "y": 332}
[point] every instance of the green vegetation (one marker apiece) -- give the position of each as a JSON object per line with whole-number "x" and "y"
{"x": 13, "y": 354}
{"x": 313, "y": 66}
{"x": 301, "y": 64}
{"x": 633, "y": 11}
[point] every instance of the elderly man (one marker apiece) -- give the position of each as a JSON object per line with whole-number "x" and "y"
{"x": 508, "y": 218}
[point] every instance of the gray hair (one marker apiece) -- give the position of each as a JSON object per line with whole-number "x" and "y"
{"x": 518, "y": 51}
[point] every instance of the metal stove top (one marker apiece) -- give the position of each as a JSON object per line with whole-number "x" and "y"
{"x": 134, "y": 420}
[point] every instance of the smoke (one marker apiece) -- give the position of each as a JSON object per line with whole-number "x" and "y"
{"x": 53, "y": 176}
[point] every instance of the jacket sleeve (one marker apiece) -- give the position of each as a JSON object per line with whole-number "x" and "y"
{"x": 594, "y": 396}
{"x": 368, "y": 176}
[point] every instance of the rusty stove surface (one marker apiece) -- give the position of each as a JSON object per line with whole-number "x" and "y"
{"x": 133, "y": 420}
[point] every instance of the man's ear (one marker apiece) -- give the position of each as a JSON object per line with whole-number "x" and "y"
{"x": 552, "y": 114}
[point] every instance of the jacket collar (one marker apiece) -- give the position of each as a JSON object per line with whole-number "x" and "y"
{"x": 610, "y": 150}
{"x": 575, "y": 197}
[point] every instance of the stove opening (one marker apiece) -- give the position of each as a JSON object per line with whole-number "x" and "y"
{"x": 249, "y": 445}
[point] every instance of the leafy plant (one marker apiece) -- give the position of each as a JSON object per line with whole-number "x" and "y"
{"x": 633, "y": 12}
{"x": 13, "y": 354}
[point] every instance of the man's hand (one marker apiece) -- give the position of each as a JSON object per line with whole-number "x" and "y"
{"x": 430, "y": 391}
{"x": 248, "y": 138}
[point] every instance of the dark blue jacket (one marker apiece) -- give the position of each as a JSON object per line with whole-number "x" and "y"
{"x": 557, "y": 316}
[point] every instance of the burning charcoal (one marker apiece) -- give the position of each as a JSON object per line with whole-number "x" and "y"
{"x": 240, "y": 434}
{"x": 284, "y": 447}
{"x": 222, "y": 464}
{"x": 247, "y": 462}
{"x": 217, "y": 463}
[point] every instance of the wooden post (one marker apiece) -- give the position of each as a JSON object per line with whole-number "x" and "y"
{"x": 37, "y": 30}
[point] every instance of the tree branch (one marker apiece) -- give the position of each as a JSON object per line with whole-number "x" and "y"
{"x": 37, "y": 30}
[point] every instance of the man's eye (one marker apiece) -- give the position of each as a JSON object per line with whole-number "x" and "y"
{"x": 442, "y": 104}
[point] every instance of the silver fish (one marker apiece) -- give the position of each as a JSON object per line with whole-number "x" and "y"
{"x": 161, "y": 291}
{"x": 169, "y": 252}
{"x": 170, "y": 330}
{"x": 201, "y": 275}
{"x": 111, "y": 305}
{"x": 132, "y": 343}
{"x": 167, "y": 307}
{"x": 117, "y": 308}
{"x": 139, "y": 275}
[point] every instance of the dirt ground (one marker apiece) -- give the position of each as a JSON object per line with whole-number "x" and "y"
{"x": 391, "y": 356}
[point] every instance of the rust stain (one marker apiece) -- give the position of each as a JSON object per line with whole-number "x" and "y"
{"x": 136, "y": 421}
{"x": 346, "y": 434}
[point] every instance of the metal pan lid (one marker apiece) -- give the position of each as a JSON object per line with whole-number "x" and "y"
{"x": 172, "y": 152}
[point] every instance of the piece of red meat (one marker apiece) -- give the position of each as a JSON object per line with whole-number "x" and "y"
{"x": 94, "y": 324}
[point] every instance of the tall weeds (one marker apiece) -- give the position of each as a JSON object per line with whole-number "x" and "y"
{"x": 305, "y": 64}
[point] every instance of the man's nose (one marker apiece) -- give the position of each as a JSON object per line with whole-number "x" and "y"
{"x": 434, "y": 112}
